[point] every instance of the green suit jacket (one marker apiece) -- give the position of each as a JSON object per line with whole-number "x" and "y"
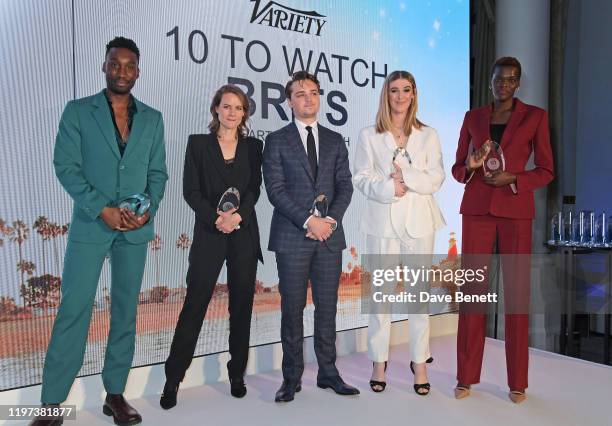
{"x": 90, "y": 168}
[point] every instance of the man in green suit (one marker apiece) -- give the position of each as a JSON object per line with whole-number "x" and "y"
{"x": 109, "y": 146}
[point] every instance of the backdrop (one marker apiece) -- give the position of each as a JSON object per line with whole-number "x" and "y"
{"x": 52, "y": 51}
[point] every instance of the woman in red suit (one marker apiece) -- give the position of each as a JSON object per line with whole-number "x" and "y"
{"x": 499, "y": 207}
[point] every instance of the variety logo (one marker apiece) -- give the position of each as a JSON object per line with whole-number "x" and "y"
{"x": 276, "y": 15}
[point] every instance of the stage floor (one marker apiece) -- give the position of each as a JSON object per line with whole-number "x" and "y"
{"x": 563, "y": 391}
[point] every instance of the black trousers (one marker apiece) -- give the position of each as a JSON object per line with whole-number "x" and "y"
{"x": 206, "y": 257}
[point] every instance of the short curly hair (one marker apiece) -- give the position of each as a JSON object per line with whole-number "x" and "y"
{"x": 122, "y": 42}
{"x": 507, "y": 61}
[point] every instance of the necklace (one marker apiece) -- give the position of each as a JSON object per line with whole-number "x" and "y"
{"x": 400, "y": 139}
{"x": 125, "y": 132}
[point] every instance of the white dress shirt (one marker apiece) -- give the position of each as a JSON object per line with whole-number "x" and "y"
{"x": 304, "y": 135}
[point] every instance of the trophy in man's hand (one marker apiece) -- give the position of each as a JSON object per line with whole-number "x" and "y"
{"x": 320, "y": 205}
{"x": 138, "y": 204}
{"x": 229, "y": 200}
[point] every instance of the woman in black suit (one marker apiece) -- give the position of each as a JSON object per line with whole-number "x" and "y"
{"x": 224, "y": 158}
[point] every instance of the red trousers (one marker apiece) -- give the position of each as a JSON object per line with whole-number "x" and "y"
{"x": 514, "y": 245}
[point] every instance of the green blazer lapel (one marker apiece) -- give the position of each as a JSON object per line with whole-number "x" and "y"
{"x": 138, "y": 126}
{"x": 103, "y": 118}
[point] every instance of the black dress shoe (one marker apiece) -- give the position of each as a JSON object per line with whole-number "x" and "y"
{"x": 47, "y": 421}
{"x": 168, "y": 396}
{"x": 287, "y": 391}
{"x": 337, "y": 385}
{"x": 237, "y": 388}
{"x": 123, "y": 413}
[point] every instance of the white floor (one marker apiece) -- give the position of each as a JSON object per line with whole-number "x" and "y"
{"x": 563, "y": 391}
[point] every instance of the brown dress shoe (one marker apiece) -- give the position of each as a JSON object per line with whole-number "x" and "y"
{"x": 123, "y": 413}
{"x": 47, "y": 421}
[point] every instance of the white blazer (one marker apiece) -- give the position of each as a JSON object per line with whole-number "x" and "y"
{"x": 417, "y": 212}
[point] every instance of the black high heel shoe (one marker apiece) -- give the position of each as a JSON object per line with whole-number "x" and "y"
{"x": 381, "y": 384}
{"x": 238, "y": 388}
{"x": 168, "y": 397}
{"x": 419, "y": 386}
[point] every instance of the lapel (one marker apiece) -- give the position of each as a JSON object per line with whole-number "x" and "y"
{"x": 326, "y": 161}
{"x": 483, "y": 123}
{"x": 138, "y": 126}
{"x": 389, "y": 141}
{"x": 415, "y": 143}
{"x": 102, "y": 116}
{"x": 241, "y": 162}
{"x": 216, "y": 157}
{"x": 295, "y": 141}
{"x": 515, "y": 120}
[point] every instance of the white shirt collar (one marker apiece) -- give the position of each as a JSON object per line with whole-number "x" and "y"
{"x": 302, "y": 126}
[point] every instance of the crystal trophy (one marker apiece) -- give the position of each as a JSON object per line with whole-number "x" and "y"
{"x": 495, "y": 162}
{"x": 556, "y": 229}
{"x": 601, "y": 231}
{"x": 138, "y": 204}
{"x": 320, "y": 206}
{"x": 398, "y": 153}
{"x": 229, "y": 200}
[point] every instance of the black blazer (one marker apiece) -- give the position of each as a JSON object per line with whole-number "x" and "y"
{"x": 206, "y": 177}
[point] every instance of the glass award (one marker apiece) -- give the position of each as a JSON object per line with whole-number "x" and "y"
{"x": 320, "y": 206}
{"x": 229, "y": 200}
{"x": 585, "y": 228}
{"x": 495, "y": 162}
{"x": 601, "y": 228}
{"x": 556, "y": 229}
{"x": 138, "y": 204}
{"x": 398, "y": 153}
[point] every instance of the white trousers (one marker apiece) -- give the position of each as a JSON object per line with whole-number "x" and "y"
{"x": 379, "y": 326}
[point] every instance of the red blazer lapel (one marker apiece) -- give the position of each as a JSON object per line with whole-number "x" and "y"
{"x": 515, "y": 120}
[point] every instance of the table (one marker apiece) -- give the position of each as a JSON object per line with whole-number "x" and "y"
{"x": 569, "y": 285}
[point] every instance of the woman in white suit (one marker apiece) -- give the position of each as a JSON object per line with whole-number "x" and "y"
{"x": 398, "y": 167}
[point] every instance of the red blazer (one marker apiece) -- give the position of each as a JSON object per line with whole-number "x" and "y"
{"x": 527, "y": 131}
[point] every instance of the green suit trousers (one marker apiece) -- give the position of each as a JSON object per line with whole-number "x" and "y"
{"x": 82, "y": 265}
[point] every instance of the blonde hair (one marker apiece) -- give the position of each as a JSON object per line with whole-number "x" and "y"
{"x": 383, "y": 116}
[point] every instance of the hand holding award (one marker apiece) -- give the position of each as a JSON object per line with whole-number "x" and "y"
{"x": 226, "y": 208}
{"x": 134, "y": 211}
{"x": 494, "y": 168}
{"x": 319, "y": 226}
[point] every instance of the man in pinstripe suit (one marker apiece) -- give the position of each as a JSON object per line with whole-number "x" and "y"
{"x": 302, "y": 161}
